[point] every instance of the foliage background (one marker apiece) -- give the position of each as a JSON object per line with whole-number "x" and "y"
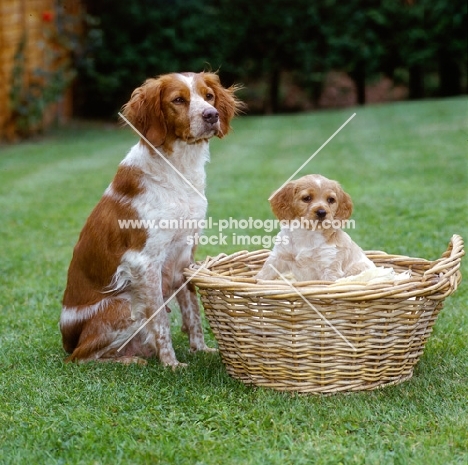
{"x": 418, "y": 43}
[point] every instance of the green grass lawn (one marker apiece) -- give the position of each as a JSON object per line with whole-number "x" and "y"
{"x": 405, "y": 166}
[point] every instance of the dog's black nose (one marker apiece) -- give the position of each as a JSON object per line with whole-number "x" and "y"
{"x": 210, "y": 115}
{"x": 321, "y": 213}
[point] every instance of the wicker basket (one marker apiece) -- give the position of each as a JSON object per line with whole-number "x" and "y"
{"x": 316, "y": 337}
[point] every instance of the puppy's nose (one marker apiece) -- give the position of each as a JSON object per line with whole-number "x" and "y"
{"x": 210, "y": 115}
{"x": 321, "y": 213}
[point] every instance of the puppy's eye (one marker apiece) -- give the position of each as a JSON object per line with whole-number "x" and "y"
{"x": 307, "y": 198}
{"x": 209, "y": 96}
{"x": 179, "y": 100}
{"x": 331, "y": 200}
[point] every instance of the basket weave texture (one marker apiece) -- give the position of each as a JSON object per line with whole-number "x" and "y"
{"x": 316, "y": 337}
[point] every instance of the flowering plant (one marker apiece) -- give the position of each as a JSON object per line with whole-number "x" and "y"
{"x": 33, "y": 91}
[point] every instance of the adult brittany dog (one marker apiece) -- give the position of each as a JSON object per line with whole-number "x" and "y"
{"x": 120, "y": 276}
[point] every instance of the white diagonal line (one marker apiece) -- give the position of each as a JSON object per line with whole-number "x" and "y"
{"x": 313, "y": 308}
{"x": 162, "y": 156}
{"x": 312, "y": 156}
{"x": 159, "y": 309}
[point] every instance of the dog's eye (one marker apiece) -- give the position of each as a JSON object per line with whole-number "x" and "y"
{"x": 209, "y": 96}
{"x": 331, "y": 200}
{"x": 307, "y": 198}
{"x": 179, "y": 100}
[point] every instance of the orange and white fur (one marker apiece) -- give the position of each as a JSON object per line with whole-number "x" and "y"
{"x": 318, "y": 252}
{"x": 118, "y": 278}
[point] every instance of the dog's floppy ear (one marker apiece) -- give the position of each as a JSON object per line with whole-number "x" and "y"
{"x": 281, "y": 202}
{"x": 144, "y": 111}
{"x": 226, "y": 102}
{"x": 345, "y": 205}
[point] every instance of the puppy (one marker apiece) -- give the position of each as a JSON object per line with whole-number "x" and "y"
{"x": 311, "y": 245}
{"x": 121, "y": 276}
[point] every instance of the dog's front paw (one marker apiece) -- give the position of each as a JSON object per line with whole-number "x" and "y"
{"x": 210, "y": 350}
{"x": 203, "y": 348}
{"x": 175, "y": 365}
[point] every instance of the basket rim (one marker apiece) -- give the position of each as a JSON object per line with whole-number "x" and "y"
{"x": 440, "y": 279}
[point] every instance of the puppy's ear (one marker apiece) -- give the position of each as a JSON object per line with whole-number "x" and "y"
{"x": 226, "y": 102}
{"x": 282, "y": 202}
{"x": 345, "y": 205}
{"x": 144, "y": 111}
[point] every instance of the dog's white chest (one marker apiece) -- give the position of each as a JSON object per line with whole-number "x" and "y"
{"x": 172, "y": 203}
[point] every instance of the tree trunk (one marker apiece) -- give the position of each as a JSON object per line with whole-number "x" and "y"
{"x": 416, "y": 82}
{"x": 449, "y": 76}
{"x": 316, "y": 89}
{"x": 359, "y": 77}
{"x": 272, "y": 104}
